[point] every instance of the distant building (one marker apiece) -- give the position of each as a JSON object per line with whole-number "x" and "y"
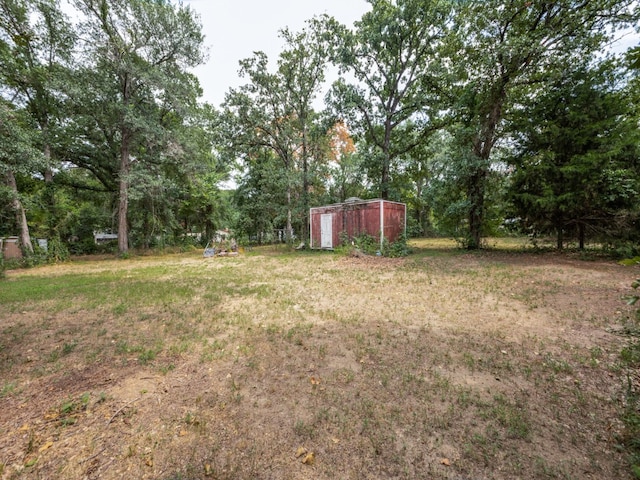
{"x": 10, "y": 247}
{"x": 101, "y": 237}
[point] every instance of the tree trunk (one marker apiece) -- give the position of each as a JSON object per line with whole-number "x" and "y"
{"x": 50, "y": 195}
{"x": 385, "y": 176}
{"x": 581, "y": 235}
{"x": 21, "y": 216}
{"x": 475, "y": 193}
{"x": 305, "y": 188}
{"x": 289, "y": 232}
{"x": 560, "y": 237}
{"x": 384, "y": 186}
{"x": 482, "y": 147}
{"x": 123, "y": 201}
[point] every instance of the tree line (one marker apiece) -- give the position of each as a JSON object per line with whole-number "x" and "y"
{"x": 480, "y": 115}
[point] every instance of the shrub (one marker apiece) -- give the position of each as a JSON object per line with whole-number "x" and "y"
{"x": 397, "y": 249}
{"x": 366, "y": 244}
{"x": 57, "y": 251}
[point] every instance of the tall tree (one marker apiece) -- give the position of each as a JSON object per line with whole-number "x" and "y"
{"x": 499, "y": 46}
{"x": 140, "y": 50}
{"x": 18, "y": 156}
{"x": 259, "y": 116}
{"x": 577, "y": 155}
{"x": 275, "y": 110}
{"x": 393, "y": 56}
{"x": 302, "y": 66}
{"x": 35, "y": 44}
{"x": 260, "y": 196}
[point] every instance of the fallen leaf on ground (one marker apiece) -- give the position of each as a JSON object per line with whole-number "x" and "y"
{"x": 46, "y": 446}
{"x": 301, "y": 451}
{"x": 309, "y": 459}
{"x": 445, "y": 461}
{"x": 315, "y": 381}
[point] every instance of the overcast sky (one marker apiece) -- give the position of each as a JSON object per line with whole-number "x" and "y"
{"x": 234, "y": 29}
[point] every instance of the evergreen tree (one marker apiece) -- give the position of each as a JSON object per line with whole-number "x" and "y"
{"x": 577, "y": 156}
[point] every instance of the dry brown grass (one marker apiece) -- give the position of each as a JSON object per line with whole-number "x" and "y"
{"x": 443, "y": 365}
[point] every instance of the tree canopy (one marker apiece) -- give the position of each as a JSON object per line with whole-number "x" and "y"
{"x": 477, "y": 114}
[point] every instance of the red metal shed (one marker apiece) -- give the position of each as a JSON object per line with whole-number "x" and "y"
{"x": 356, "y": 217}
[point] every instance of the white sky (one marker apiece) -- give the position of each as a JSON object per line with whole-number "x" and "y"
{"x": 234, "y": 29}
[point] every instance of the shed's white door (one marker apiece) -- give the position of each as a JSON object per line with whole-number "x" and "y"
{"x": 326, "y": 230}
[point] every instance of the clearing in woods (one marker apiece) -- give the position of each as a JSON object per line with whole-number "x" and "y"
{"x": 277, "y": 365}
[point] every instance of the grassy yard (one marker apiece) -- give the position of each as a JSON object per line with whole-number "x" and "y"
{"x": 446, "y": 364}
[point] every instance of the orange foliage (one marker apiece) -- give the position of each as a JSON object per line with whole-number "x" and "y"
{"x": 341, "y": 142}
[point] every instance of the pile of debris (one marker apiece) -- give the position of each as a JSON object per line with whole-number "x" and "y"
{"x": 223, "y": 249}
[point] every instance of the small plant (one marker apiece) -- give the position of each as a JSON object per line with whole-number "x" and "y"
{"x": 147, "y": 355}
{"x": 397, "y": 249}
{"x": 67, "y": 348}
{"x": 7, "y": 389}
{"x": 367, "y": 244}
{"x": 71, "y": 407}
{"x": 304, "y": 429}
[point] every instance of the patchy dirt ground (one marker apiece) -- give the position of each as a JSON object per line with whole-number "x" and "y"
{"x": 272, "y": 365}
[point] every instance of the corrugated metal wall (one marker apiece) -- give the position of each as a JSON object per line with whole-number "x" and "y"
{"x": 357, "y": 218}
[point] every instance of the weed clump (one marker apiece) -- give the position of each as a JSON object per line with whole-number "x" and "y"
{"x": 368, "y": 245}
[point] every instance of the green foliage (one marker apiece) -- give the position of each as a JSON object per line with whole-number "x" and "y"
{"x": 434, "y": 92}
{"x": 501, "y": 49}
{"x": 261, "y": 198}
{"x": 627, "y": 251}
{"x": 394, "y": 57}
{"x": 396, "y": 249}
{"x": 138, "y": 58}
{"x": 576, "y": 149}
{"x": 370, "y": 245}
{"x": 367, "y": 244}
{"x": 272, "y": 120}
{"x": 630, "y": 356}
{"x": 57, "y": 251}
